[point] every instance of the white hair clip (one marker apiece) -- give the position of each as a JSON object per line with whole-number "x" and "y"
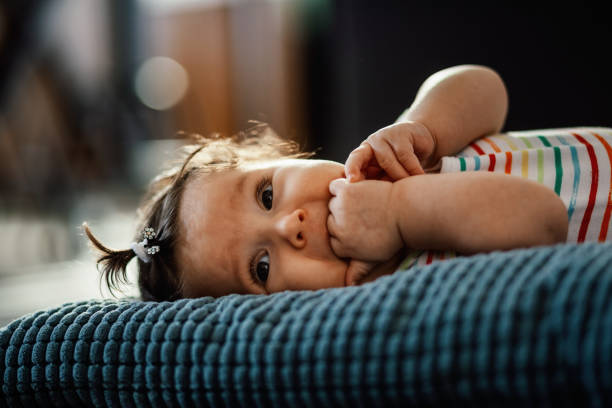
{"x": 142, "y": 249}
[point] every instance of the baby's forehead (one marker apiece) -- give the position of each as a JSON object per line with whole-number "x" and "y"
{"x": 207, "y": 227}
{"x": 205, "y": 190}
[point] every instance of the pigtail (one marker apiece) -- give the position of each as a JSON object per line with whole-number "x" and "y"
{"x": 111, "y": 264}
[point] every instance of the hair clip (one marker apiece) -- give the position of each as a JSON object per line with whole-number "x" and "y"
{"x": 142, "y": 249}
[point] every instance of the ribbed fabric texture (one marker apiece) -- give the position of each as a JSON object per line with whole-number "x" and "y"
{"x": 522, "y": 328}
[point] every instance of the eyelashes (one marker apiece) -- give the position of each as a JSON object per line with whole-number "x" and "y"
{"x": 260, "y": 268}
{"x": 264, "y": 192}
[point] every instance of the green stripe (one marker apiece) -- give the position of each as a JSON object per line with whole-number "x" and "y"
{"x": 462, "y": 164}
{"x": 544, "y": 141}
{"x": 540, "y": 166}
{"x": 527, "y": 142}
{"x": 559, "y": 170}
{"x": 410, "y": 259}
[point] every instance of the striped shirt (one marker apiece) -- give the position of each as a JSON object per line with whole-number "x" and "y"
{"x": 576, "y": 163}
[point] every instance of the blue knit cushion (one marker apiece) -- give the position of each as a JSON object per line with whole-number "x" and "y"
{"x": 530, "y": 327}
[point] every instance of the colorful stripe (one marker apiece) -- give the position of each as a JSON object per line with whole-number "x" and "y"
{"x": 593, "y": 191}
{"x": 525, "y": 164}
{"x": 576, "y": 164}
{"x": 508, "y": 168}
{"x": 527, "y": 143}
{"x": 545, "y": 141}
{"x": 477, "y": 148}
{"x": 606, "y": 219}
{"x": 491, "y": 162}
{"x": 492, "y": 144}
{"x": 476, "y": 163}
{"x": 411, "y": 259}
{"x": 558, "y": 170}
{"x": 508, "y": 140}
{"x": 540, "y": 166}
{"x": 462, "y": 165}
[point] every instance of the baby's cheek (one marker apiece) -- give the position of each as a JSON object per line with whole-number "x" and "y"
{"x": 309, "y": 274}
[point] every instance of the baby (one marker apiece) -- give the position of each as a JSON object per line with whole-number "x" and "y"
{"x": 250, "y": 214}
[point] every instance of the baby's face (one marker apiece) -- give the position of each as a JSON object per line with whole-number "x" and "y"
{"x": 260, "y": 228}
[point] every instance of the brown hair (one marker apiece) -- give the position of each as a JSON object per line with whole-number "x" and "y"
{"x": 160, "y": 279}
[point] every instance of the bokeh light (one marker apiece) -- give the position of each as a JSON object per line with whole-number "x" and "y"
{"x": 161, "y": 83}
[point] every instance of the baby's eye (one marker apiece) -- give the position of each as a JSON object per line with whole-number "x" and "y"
{"x": 266, "y": 197}
{"x": 262, "y": 268}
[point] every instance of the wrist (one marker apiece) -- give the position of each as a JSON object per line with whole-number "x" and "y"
{"x": 432, "y": 142}
{"x": 425, "y": 142}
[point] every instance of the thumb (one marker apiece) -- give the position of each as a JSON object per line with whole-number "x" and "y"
{"x": 356, "y": 271}
{"x": 336, "y": 185}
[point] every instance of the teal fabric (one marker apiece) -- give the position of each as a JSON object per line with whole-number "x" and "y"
{"x": 522, "y": 328}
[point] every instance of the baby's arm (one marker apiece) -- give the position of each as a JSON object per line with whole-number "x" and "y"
{"x": 452, "y": 108}
{"x": 477, "y": 212}
{"x": 458, "y": 105}
{"x": 466, "y": 212}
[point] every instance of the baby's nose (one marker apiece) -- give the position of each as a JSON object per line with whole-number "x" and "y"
{"x": 291, "y": 227}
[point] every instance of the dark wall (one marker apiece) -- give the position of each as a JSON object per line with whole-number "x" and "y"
{"x": 366, "y": 61}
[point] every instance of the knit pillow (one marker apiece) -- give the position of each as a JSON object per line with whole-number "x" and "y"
{"x": 528, "y": 327}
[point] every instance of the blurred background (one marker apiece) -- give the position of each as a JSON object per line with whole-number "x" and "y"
{"x": 93, "y": 93}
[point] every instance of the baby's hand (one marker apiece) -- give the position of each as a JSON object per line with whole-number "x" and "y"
{"x": 362, "y": 222}
{"x": 391, "y": 153}
{"x": 358, "y": 270}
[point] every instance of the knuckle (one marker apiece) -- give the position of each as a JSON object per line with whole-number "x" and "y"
{"x": 383, "y": 160}
{"x": 405, "y": 156}
{"x": 359, "y": 150}
{"x": 374, "y": 138}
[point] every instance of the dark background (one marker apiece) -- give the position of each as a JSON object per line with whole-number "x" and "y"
{"x": 366, "y": 61}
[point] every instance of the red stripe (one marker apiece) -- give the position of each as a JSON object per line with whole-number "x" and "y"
{"x": 429, "y": 258}
{"x": 491, "y": 162}
{"x": 508, "y": 162}
{"x": 606, "y": 219}
{"x": 477, "y": 148}
{"x": 594, "y": 180}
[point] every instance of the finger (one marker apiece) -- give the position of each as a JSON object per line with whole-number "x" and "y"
{"x": 332, "y": 226}
{"x": 408, "y": 159}
{"x": 336, "y": 247}
{"x": 357, "y": 161}
{"x": 385, "y": 156}
{"x": 374, "y": 173}
{"x": 336, "y": 185}
{"x": 356, "y": 271}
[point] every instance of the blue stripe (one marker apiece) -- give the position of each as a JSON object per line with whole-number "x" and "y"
{"x": 572, "y": 204}
{"x": 477, "y": 163}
